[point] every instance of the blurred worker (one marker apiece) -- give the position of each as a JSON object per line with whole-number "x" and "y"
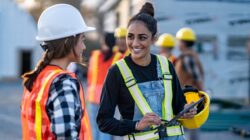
{"x": 53, "y": 103}
{"x": 188, "y": 66}
{"x": 100, "y": 61}
{"x": 120, "y": 34}
{"x": 166, "y": 43}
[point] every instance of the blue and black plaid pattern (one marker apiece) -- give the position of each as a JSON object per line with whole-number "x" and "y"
{"x": 64, "y": 107}
{"x": 192, "y": 68}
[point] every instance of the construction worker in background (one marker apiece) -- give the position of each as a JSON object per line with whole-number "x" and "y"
{"x": 144, "y": 86}
{"x": 53, "y": 102}
{"x": 188, "y": 66}
{"x": 166, "y": 42}
{"x": 100, "y": 61}
{"x": 120, "y": 34}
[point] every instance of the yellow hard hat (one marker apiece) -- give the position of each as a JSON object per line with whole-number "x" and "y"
{"x": 166, "y": 41}
{"x": 115, "y": 48}
{"x": 186, "y": 34}
{"x": 202, "y": 112}
{"x": 120, "y": 32}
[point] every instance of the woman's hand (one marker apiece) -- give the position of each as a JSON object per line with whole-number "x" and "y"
{"x": 147, "y": 120}
{"x": 191, "y": 113}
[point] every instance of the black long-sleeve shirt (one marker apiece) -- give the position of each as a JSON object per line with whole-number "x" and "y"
{"x": 115, "y": 93}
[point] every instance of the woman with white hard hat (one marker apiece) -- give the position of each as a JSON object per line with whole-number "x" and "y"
{"x": 53, "y": 104}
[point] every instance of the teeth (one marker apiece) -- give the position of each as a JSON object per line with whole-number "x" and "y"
{"x": 137, "y": 50}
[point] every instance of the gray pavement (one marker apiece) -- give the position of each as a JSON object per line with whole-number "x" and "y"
{"x": 10, "y": 123}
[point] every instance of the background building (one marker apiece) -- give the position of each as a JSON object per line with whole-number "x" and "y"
{"x": 19, "y": 50}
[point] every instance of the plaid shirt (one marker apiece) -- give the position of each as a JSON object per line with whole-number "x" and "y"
{"x": 64, "y": 107}
{"x": 192, "y": 68}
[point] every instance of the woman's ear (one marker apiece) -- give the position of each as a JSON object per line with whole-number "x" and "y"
{"x": 155, "y": 38}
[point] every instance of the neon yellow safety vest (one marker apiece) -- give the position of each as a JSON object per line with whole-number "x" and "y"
{"x": 167, "y": 112}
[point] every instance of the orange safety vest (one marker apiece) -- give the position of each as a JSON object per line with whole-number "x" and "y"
{"x": 35, "y": 121}
{"x": 126, "y": 53}
{"x": 97, "y": 72}
{"x": 172, "y": 59}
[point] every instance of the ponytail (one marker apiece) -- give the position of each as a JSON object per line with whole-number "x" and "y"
{"x": 30, "y": 77}
{"x": 54, "y": 49}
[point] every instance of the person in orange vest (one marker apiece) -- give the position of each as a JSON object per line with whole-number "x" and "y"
{"x": 53, "y": 104}
{"x": 100, "y": 61}
{"x": 188, "y": 67}
{"x": 166, "y": 43}
{"x": 120, "y": 34}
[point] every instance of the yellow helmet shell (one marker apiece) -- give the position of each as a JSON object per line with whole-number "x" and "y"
{"x": 120, "y": 32}
{"x": 165, "y": 41}
{"x": 201, "y": 117}
{"x": 186, "y": 34}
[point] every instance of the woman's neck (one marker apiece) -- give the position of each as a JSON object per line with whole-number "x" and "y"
{"x": 63, "y": 63}
{"x": 145, "y": 61}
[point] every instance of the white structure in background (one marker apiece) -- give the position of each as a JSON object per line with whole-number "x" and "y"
{"x": 222, "y": 28}
{"x": 19, "y": 50}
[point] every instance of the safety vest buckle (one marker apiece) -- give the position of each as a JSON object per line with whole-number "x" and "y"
{"x": 167, "y": 76}
{"x": 162, "y": 132}
{"x": 130, "y": 81}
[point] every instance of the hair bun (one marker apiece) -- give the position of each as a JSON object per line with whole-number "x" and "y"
{"x": 148, "y": 9}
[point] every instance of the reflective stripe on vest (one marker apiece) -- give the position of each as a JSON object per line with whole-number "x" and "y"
{"x": 151, "y": 135}
{"x": 133, "y": 87}
{"x": 93, "y": 76}
{"x": 38, "y": 116}
{"x": 138, "y": 97}
{"x": 167, "y": 111}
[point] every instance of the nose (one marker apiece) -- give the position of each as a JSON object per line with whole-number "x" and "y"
{"x": 135, "y": 42}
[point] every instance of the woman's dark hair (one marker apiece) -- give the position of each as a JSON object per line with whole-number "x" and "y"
{"x": 54, "y": 49}
{"x": 146, "y": 15}
{"x": 109, "y": 40}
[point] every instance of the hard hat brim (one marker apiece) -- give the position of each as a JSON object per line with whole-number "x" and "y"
{"x": 90, "y": 29}
{"x": 84, "y": 30}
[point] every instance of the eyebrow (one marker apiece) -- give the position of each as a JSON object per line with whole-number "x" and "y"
{"x": 140, "y": 34}
{"x": 143, "y": 35}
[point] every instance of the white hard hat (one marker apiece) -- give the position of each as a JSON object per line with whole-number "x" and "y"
{"x": 59, "y": 21}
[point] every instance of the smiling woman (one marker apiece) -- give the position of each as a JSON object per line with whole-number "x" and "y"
{"x": 142, "y": 29}
{"x": 139, "y": 40}
{"x": 144, "y": 86}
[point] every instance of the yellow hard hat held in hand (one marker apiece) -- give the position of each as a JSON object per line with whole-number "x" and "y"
{"x": 193, "y": 95}
{"x": 165, "y": 41}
